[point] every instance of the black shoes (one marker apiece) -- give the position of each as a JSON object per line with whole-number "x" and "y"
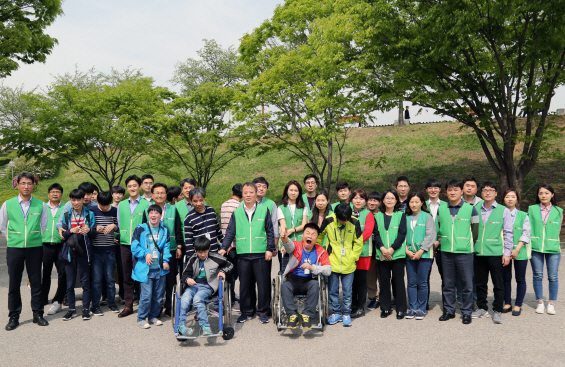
{"x": 293, "y": 321}
{"x": 39, "y": 320}
{"x": 400, "y": 315}
{"x": 385, "y": 314}
{"x": 358, "y": 313}
{"x": 517, "y": 313}
{"x": 467, "y": 319}
{"x": 373, "y": 304}
{"x": 506, "y": 310}
{"x": 13, "y": 323}
{"x": 446, "y": 316}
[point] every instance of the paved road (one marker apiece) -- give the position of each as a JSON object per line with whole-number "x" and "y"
{"x": 526, "y": 340}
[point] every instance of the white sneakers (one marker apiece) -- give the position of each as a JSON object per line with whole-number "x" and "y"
{"x": 550, "y": 309}
{"x": 56, "y": 307}
{"x": 540, "y": 308}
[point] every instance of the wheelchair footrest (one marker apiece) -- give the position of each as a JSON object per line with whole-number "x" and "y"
{"x": 183, "y": 337}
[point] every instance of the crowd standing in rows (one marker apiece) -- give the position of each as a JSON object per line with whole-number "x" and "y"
{"x": 366, "y": 243}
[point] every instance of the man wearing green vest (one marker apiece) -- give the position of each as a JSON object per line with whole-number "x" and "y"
{"x": 252, "y": 229}
{"x": 311, "y": 183}
{"x": 51, "y": 246}
{"x": 343, "y": 190}
{"x": 457, "y": 230}
{"x": 262, "y": 186}
{"x": 23, "y": 221}
{"x": 492, "y": 251}
{"x": 131, "y": 213}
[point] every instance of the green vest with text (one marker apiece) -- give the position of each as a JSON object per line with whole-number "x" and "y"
{"x": 367, "y": 245}
{"x": 51, "y": 233}
{"x": 297, "y": 222}
{"x": 526, "y": 250}
{"x": 24, "y": 232}
{"x": 490, "y": 241}
{"x": 389, "y": 236}
{"x": 415, "y": 234}
{"x": 128, "y": 222}
{"x": 455, "y": 233}
{"x": 545, "y": 237}
{"x": 250, "y": 237}
{"x": 169, "y": 222}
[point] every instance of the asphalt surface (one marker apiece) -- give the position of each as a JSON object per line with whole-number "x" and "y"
{"x": 529, "y": 339}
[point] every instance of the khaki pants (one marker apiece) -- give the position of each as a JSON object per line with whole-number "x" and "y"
{"x": 373, "y": 280}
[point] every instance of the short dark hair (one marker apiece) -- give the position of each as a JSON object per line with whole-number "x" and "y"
{"x": 454, "y": 183}
{"x": 361, "y": 193}
{"x": 197, "y": 191}
{"x": 309, "y": 176}
{"x": 55, "y": 186}
{"x": 314, "y": 226}
{"x": 88, "y": 187}
{"x": 250, "y": 184}
{"x": 470, "y": 178}
{"x": 25, "y": 174}
{"x": 173, "y": 192}
{"x": 342, "y": 185}
{"x": 158, "y": 184}
{"x": 492, "y": 185}
{"x": 419, "y": 195}
{"x": 343, "y": 211}
{"x": 145, "y": 177}
{"x": 236, "y": 190}
{"x": 550, "y": 189}
{"x": 401, "y": 178}
{"x": 76, "y": 194}
{"x": 118, "y": 190}
{"x": 154, "y": 207}
{"x": 433, "y": 183}
{"x": 133, "y": 178}
{"x": 382, "y": 206}
{"x": 374, "y": 195}
{"x": 189, "y": 180}
{"x": 261, "y": 180}
{"x": 201, "y": 244}
{"x": 104, "y": 198}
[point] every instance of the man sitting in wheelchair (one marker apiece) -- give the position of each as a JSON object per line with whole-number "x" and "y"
{"x": 306, "y": 259}
{"x": 201, "y": 273}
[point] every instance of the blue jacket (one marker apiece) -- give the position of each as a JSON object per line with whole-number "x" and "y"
{"x": 139, "y": 250}
{"x": 90, "y": 220}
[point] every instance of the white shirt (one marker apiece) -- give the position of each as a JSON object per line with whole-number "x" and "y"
{"x": 434, "y": 207}
{"x": 249, "y": 212}
{"x": 292, "y": 208}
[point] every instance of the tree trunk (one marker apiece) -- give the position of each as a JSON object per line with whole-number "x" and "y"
{"x": 330, "y": 168}
{"x": 401, "y": 113}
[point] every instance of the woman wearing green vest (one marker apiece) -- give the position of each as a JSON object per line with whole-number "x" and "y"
{"x": 389, "y": 235}
{"x": 420, "y": 236}
{"x": 367, "y": 222}
{"x": 520, "y": 255}
{"x": 546, "y": 220}
{"x": 321, "y": 211}
{"x": 292, "y": 214}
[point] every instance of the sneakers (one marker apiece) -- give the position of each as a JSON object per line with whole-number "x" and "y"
{"x": 293, "y": 321}
{"x": 206, "y": 331}
{"x": 410, "y": 314}
{"x": 184, "y": 331}
{"x": 156, "y": 322}
{"x": 235, "y": 306}
{"x": 114, "y": 309}
{"x": 86, "y": 314}
{"x": 56, "y": 307}
{"x": 419, "y": 315}
{"x": 334, "y": 319}
{"x": 480, "y": 313}
{"x": 264, "y": 319}
{"x": 497, "y": 317}
{"x": 359, "y": 313}
{"x": 346, "y": 320}
{"x": 540, "y": 308}
{"x": 71, "y": 314}
{"x": 104, "y": 301}
{"x": 306, "y": 323}
{"x": 142, "y": 324}
{"x": 241, "y": 319}
{"x": 97, "y": 311}
{"x": 550, "y": 309}
{"x": 373, "y": 304}
{"x": 475, "y": 306}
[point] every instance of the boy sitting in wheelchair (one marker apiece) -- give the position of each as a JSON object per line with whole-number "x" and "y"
{"x": 306, "y": 259}
{"x": 201, "y": 273}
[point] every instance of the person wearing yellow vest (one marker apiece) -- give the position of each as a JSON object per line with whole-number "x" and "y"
{"x": 373, "y": 276}
{"x": 23, "y": 221}
{"x": 546, "y": 220}
{"x": 492, "y": 251}
{"x": 131, "y": 213}
{"x": 389, "y": 235}
{"x": 252, "y": 229}
{"x": 343, "y": 190}
{"x": 457, "y": 231}
{"x": 51, "y": 246}
{"x": 292, "y": 214}
{"x": 311, "y": 183}
{"x": 420, "y": 236}
{"x": 521, "y": 253}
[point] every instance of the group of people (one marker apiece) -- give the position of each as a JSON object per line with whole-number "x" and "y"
{"x": 366, "y": 244}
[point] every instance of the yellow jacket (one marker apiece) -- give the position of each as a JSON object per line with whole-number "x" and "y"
{"x": 344, "y": 245}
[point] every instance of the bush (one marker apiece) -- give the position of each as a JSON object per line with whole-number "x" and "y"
{"x": 4, "y": 161}
{"x": 40, "y": 170}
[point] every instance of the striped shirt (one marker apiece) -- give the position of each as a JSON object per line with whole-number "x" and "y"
{"x": 199, "y": 225}
{"x": 104, "y": 242}
{"x": 226, "y": 211}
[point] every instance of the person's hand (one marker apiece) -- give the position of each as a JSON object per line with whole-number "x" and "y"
{"x": 222, "y": 252}
{"x": 99, "y": 228}
{"x": 110, "y": 228}
{"x": 229, "y": 250}
{"x": 283, "y": 231}
{"x": 178, "y": 254}
{"x": 410, "y": 254}
{"x": 84, "y": 230}
{"x": 61, "y": 230}
{"x": 514, "y": 253}
{"x": 505, "y": 260}
{"x": 306, "y": 266}
{"x": 221, "y": 275}
{"x": 75, "y": 230}
{"x": 283, "y": 251}
{"x": 190, "y": 282}
{"x": 116, "y": 241}
{"x": 149, "y": 259}
{"x": 418, "y": 255}
{"x": 166, "y": 266}
{"x": 269, "y": 255}
{"x": 284, "y": 237}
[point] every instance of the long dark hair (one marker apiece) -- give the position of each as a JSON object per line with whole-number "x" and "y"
{"x": 548, "y": 188}
{"x": 408, "y": 210}
{"x": 316, "y": 211}
{"x": 382, "y": 206}
{"x": 299, "y": 201}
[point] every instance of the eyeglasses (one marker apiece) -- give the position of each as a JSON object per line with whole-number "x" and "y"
{"x": 487, "y": 191}
{"x": 26, "y": 184}
{"x": 55, "y": 192}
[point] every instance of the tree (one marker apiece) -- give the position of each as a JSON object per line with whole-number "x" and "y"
{"x": 493, "y": 58}
{"x": 13, "y": 107}
{"x": 92, "y": 120}
{"x": 21, "y": 33}
{"x": 310, "y": 95}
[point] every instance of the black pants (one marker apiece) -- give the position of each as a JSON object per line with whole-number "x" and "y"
{"x": 127, "y": 266}
{"x": 440, "y": 270}
{"x": 84, "y": 269}
{"x": 359, "y": 293}
{"x": 120, "y": 271}
{"x": 453, "y": 266}
{"x": 50, "y": 258}
{"x": 300, "y": 286}
{"x": 254, "y": 272}
{"x": 171, "y": 280}
{"x": 32, "y": 257}
{"x": 232, "y": 276}
{"x": 394, "y": 269}
{"x": 483, "y": 266}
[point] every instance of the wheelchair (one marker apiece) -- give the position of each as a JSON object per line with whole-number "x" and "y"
{"x": 223, "y": 313}
{"x": 280, "y": 318}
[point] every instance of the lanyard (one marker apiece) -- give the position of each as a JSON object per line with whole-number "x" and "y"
{"x": 547, "y": 215}
{"x": 29, "y": 207}
{"x": 307, "y": 256}
{"x": 153, "y": 238}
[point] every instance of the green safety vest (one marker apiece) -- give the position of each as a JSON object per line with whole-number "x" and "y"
{"x": 129, "y": 222}
{"x": 250, "y": 237}
{"x": 297, "y": 222}
{"x": 526, "y": 250}
{"x": 367, "y": 245}
{"x": 389, "y": 236}
{"x": 491, "y": 237}
{"x": 183, "y": 212}
{"x": 305, "y": 199}
{"x": 415, "y": 236}
{"x": 545, "y": 237}
{"x": 51, "y": 234}
{"x": 336, "y": 204}
{"x": 24, "y": 232}
{"x": 455, "y": 233}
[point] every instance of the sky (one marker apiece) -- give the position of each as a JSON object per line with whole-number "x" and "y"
{"x": 153, "y": 35}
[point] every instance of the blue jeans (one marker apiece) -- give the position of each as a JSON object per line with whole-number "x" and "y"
{"x": 149, "y": 301}
{"x": 102, "y": 268}
{"x": 346, "y": 289}
{"x": 417, "y": 272}
{"x": 552, "y": 271}
{"x": 198, "y": 294}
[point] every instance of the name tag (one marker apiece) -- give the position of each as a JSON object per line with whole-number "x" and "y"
{"x": 343, "y": 251}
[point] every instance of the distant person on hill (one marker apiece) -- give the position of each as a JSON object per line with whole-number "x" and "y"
{"x": 407, "y": 116}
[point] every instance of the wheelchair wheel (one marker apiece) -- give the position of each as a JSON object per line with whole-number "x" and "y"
{"x": 324, "y": 305}
{"x": 228, "y": 332}
{"x": 226, "y": 305}
{"x": 174, "y": 305}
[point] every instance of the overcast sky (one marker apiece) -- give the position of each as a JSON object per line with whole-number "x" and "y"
{"x": 153, "y": 36}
